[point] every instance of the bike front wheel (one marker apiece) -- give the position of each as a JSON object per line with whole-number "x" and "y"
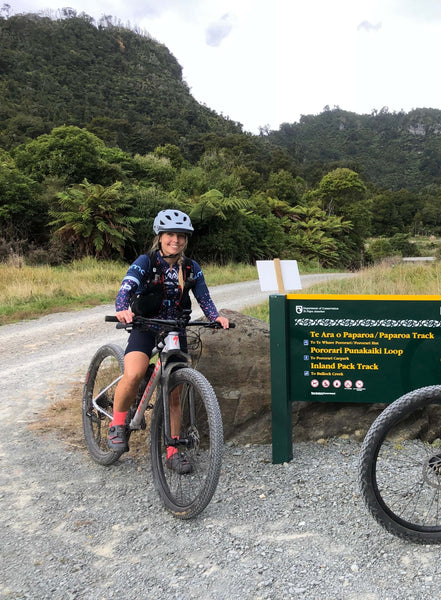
{"x": 105, "y": 370}
{"x": 400, "y": 467}
{"x": 186, "y": 494}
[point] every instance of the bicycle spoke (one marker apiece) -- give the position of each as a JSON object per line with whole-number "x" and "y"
{"x": 97, "y": 407}
{"x": 187, "y": 492}
{"x": 400, "y": 467}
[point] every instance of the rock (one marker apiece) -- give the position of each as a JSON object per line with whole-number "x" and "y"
{"x": 237, "y": 364}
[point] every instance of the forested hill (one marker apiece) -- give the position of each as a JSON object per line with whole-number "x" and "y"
{"x": 392, "y": 150}
{"x": 127, "y": 89}
{"x": 119, "y": 84}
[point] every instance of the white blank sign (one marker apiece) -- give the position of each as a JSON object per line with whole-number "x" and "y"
{"x": 268, "y": 279}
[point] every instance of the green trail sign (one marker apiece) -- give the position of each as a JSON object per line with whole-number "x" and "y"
{"x": 348, "y": 349}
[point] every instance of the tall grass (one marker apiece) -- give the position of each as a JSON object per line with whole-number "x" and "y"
{"x": 402, "y": 279}
{"x": 229, "y": 273}
{"x": 27, "y": 292}
{"x": 399, "y": 279}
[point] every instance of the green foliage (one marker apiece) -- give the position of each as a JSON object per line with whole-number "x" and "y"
{"x": 282, "y": 185}
{"x": 69, "y": 153}
{"x": 343, "y": 193}
{"x": 235, "y": 239}
{"x": 156, "y": 169}
{"x": 226, "y": 230}
{"x": 146, "y": 202}
{"x": 191, "y": 182}
{"x": 394, "y": 212}
{"x": 380, "y": 249}
{"x": 392, "y": 150}
{"x": 101, "y": 128}
{"x": 72, "y": 70}
{"x": 171, "y": 152}
{"x": 401, "y": 243}
{"x": 22, "y": 212}
{"x": 94, "y": 218}
{"x": 316, "y": 236}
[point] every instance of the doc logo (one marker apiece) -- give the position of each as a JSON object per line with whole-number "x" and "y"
{"x": 299, "y": 310}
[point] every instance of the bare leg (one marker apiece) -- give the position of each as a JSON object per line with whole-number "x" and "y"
{"x": 175, "y": 412}
{"x": 135, "y": 366}
{"x": 176, "y": 461}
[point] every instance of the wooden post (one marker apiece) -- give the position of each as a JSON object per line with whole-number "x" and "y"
{"x": 279, "y": 277}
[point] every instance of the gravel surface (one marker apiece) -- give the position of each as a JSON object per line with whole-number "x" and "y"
{"x": 72, "y": 529}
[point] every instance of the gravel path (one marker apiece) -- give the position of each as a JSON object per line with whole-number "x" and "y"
{"x": 73, "y": 530}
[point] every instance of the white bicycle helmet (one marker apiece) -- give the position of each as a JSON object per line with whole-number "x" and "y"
{"x": 172, "y": 221}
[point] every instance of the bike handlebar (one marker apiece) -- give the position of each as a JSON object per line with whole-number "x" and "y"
{"x": 169, "y": 322}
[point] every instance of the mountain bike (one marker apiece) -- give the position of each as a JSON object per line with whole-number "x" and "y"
{"x": 400, "y": 466}
{"x": 200, "y": 440}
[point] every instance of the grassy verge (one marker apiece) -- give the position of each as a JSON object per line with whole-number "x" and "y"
{"x": 401, "y": 279}
{"x": 28, "y": 292}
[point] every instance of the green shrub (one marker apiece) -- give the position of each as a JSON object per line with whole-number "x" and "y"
{"x": 401, "y": 244}
{"x": 380, "y": 249}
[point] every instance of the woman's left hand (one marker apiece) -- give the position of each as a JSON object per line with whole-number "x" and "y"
{"x": 224, "y": 322}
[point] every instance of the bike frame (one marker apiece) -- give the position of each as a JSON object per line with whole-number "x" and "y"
{"x": 170, "y": 358}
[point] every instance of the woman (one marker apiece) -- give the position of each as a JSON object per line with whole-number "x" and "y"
{"x": 172, "y": 229}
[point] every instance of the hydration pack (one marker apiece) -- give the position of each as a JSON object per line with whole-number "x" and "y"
{"x": 148, "y": 302}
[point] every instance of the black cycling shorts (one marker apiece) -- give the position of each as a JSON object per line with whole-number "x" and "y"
{"x": 145, "y": 341}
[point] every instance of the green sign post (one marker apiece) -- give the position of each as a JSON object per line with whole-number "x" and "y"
{"x": 340, "y": 348}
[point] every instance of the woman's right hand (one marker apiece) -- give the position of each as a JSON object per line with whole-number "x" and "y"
{"x": 125, "y": 316}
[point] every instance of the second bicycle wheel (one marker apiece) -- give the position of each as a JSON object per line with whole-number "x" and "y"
{"x": 104, "y": 372}
{"x": 186, "y": 494}
{"x": 400, "y": 466}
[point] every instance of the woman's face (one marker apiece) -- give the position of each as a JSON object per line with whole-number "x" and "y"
{"x": 172, "y": 243}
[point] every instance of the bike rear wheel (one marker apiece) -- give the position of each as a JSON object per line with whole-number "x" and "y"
{"x": 187, "y": 494}
{"x": 400, "y": 467}
{"x": 104, "y": 371}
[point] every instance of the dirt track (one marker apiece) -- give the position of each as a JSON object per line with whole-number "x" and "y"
{"x": 74, "y": 530}
{"x": 41, "y": 355}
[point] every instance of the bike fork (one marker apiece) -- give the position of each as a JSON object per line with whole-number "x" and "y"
{"x": 186, "y": 401}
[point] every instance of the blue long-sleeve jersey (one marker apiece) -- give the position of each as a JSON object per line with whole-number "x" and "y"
{"x": 134, "y": 281}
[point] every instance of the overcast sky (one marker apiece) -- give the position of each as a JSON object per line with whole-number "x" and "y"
{"x": 266, "y": 62}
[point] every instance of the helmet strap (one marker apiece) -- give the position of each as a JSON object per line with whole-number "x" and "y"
{"x": 165, "y": 255}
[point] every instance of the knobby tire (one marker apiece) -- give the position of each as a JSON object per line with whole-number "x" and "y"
{"x": 106, "y": 365}
{"x": 186, "y": 495}
{"x": 400, "y": 467}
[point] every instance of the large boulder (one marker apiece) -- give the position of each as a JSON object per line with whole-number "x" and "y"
{"x": 237, "y": 364}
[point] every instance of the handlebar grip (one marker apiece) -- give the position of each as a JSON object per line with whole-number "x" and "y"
{"x": 232, "y": 325}
{"x": 111, "y": 318}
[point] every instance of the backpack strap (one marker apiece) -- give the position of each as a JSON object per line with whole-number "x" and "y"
{"x": 184, "y": 302}
{"x": 155, "y": 272}
{"x": 149, "y": 301}
{"x": 188, "y": 272}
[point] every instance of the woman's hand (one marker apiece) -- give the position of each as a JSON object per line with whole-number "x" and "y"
{"x": 125, "y": 316}
{"x": 224, "y": 322}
